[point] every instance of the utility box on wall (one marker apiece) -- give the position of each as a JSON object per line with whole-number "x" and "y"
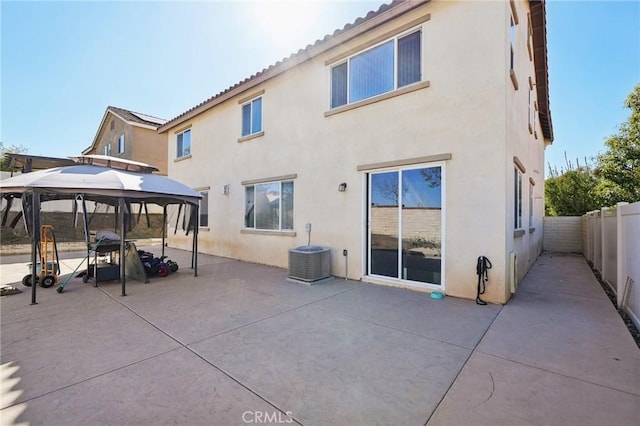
{"x": 309, "y": 263}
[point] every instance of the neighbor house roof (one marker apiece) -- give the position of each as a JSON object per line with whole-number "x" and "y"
{"x": 133, "y": 118}
{"x": 385, "y": 13}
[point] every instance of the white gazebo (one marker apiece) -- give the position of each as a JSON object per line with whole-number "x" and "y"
{"x": 106, "y": 180}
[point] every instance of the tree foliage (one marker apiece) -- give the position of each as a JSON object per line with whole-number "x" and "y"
{"x": 9, "y": 149}
{"x": 614, "y": 178}
{"x": 619, "y": 167}
{"x": 571, "y": 193}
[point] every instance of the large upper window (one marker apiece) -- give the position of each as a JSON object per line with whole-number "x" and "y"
{"x": 121, "y": 144}
{"x": 269, "y": 206}
{"x": 388, "y": 66}
{"x": 184, "y": 144}
{"x": 252, "y": 117}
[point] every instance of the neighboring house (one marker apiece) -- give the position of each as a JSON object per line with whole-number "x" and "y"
{"x": 131, "y": 135}
{"x": 413, "y": 139}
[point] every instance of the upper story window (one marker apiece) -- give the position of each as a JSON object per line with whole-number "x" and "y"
{"x": 252, "y": 117}
{"x": 121, "y": 144}
{"x": 269, "y": 206}
{"x": 183, "y": 144}
{"x": 106, "y": 150}
{"x": 512, "y": 42}
{"x": 204, "y": 209}
{"x": 388, "y": 66}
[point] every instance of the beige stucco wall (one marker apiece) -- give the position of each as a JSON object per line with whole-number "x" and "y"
{"x": 528, "y": 146}
{"x": 462, "y": 112}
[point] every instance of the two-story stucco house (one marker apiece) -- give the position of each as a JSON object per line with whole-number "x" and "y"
{"x": 413, "y": 139}
{"x": 132, "y": 136}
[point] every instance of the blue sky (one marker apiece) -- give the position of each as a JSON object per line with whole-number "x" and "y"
{"x": 63, "y": 63}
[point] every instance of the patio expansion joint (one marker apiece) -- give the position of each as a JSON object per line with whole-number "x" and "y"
{"x": 304, "y": 305}
{"x": 412, "y": 333}
{"x": 186, "y": 347}
{"x": 558, "y": 373}
{"x": 444, "y": 395}
{"x": 89, "y": 378}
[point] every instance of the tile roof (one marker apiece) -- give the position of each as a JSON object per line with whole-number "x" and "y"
{"x": 397, "y": 7}
{"x": 539, "y": 23}
{"x": 300, "y": 56}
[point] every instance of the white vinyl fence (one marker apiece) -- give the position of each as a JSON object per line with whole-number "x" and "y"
{"x": 612, "y": 244}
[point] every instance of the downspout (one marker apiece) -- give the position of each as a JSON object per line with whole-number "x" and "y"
{"x": 196, "y": 225}
{"x": 35, "y": 214}
{"x": 164, "y": 226}
{"x": 123, "y": 235}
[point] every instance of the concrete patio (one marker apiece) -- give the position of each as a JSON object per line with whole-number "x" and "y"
{"x": 241, "y": 344}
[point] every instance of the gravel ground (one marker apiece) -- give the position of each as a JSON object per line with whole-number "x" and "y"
{"x": 612, "y": 296}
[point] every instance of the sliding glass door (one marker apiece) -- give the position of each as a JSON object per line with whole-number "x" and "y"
{"x": 405, "y": 224}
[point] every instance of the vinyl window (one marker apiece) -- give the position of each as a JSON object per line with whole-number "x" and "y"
{"x": 184, "y": 144}
{"x": 121, "y": 144}
{"x": 269, "y": 206}
{"x": 204, "y": 209}
{"x": 252, "y": 117}
{"x": 383, "y": 68}
{"x": 517, "y": 205}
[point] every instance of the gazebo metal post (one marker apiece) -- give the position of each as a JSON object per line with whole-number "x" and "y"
{"x": 35, "y": 215}
{"x": 194, "y": 255}
{"x": 164, "y": 226}
{"x": 123, "y": 236}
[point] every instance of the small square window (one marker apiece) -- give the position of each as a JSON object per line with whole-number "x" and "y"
{"x": 183, "y": 144}
{"x": 106, "y": 150}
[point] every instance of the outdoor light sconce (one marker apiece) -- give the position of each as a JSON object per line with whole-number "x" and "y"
{"x": 342, "y": 187}
{"x": 225, "y": 189}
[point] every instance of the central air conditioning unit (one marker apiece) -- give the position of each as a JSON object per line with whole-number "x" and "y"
{"x": 309, "y": 263}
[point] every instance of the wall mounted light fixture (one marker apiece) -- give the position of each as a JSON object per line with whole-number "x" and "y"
{"x": 342, "y": 187}
{"x": 225, "y": 189}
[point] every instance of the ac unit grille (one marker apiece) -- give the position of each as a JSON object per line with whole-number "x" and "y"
{"x": 309, "y": 263}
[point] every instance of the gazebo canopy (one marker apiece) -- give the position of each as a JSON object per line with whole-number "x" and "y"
{"x": 100, "y": 183}
{"x": 108, "y": 180}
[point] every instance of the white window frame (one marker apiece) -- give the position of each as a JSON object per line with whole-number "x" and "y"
{"x": 121, "y": 145}
{"x": 512, "y": 42}
{"x": 246, "y": 204}
{"x": 517, "y": 202}
{"x": 250, "y": 102}
{"x": 531, "y": 204}
{"x": 181, "y": 153}
{"x": 348, "y": 59}
{"x": 203, "y": 209}
{"x": 366, "y": 264}
{"x": 106, "y": 150}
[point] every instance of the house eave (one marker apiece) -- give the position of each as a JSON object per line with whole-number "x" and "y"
{"x": 539, "y": 24}
{"x": 350, "y": 31}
